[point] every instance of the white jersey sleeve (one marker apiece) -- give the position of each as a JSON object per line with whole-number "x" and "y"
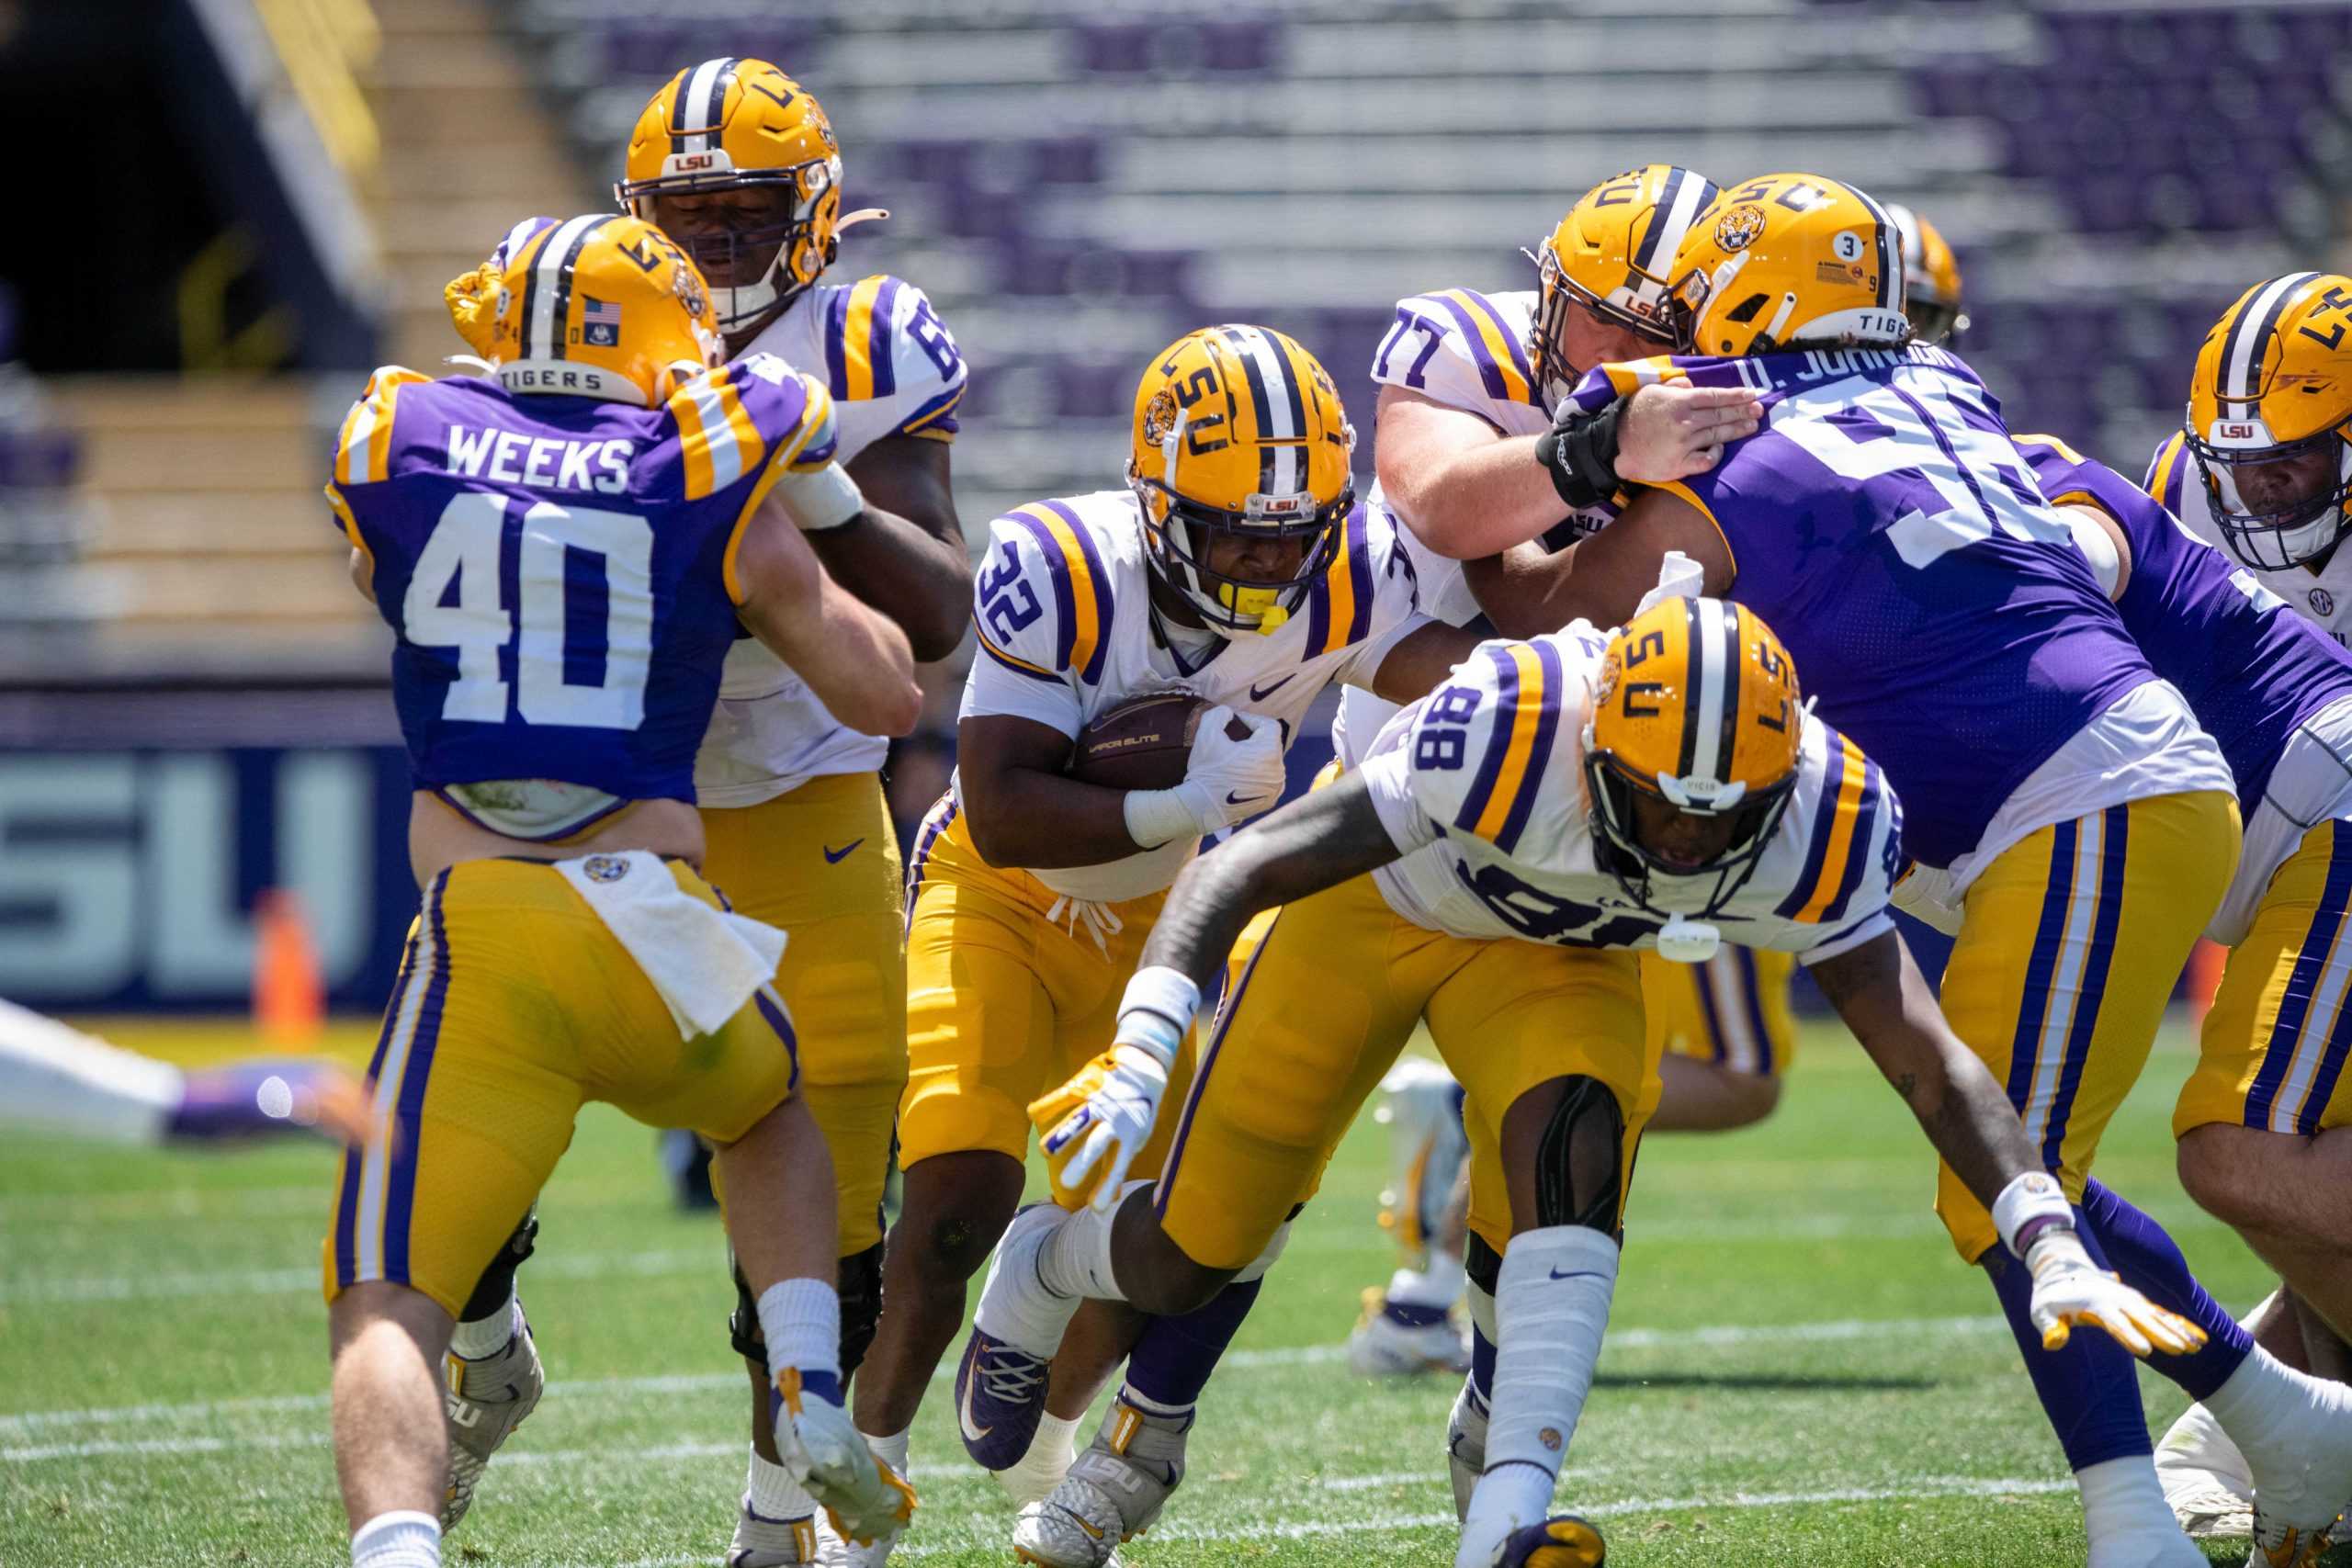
{"x": 1839, "y": 854}
{"x": 1041, "y": 613}
{"x": 1480, "y": 748}
{"x": 1467, "y": 350}
{"x": 889, "y": 363}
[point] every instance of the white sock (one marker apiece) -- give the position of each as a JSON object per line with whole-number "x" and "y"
{"x": 1551, "y": 1307}
{"x": 1042, "y": 1468}
{"x": 2127, "y": 1518}
{"x": 403, "y": 1539}
{"x": 1076, "y": 1259}
{"x": 1439, "y": 1285}
{"x": 2295, "y": 1431}
{"x": 892, "y": 1449}
{"x": 801, "y": 1321}
{"x": 486, "y": 1337}
{"x": 770, "y": 1491}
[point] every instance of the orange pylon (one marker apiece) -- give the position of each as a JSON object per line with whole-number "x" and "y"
{"x": 289, "y": 993}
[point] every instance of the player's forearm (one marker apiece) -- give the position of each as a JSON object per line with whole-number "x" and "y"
{"x": 924, "y": 583}
{"x": 1973, "y": 1126}
{"x": 1045, "y": 821}
{"x": 855, "y": 658}
{"x": 1528, "y": 591}
{"x": 1476, "y": 500}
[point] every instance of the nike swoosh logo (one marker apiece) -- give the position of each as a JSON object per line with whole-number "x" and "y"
{"x": 835, "y": 857}
{"x": 1579, "y": 1274}
{"x": 1234, "y": 797}
{"x": 1259, "y": 693}
{"x": 1079, "y": 1521}
{"x": 973, "y": 1433}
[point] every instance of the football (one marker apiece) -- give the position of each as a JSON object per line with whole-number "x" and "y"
{"x": 1140, "y": 744}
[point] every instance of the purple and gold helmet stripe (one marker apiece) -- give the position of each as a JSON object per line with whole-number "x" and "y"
{"x": 547, "y": 291}
{"x": 1890, "y": 255}
{"x": 2243, "y": 354}
{"x": 701, "y": 107}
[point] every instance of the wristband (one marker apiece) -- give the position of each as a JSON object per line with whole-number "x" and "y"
{"x": 1579, "y": 452}
{"x": 1157, "y": 817}
{"x": 1156, "y": 1010}
{"x": 2027, "y": 1206}
{"x": 826, "y": 499}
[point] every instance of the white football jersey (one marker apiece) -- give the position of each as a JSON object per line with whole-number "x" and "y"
{"x": 1468, "y": 350}
{"x": 1482, "y": 785}
{"x": 2324, "y": 596}
{"x": 1062, "y": 608}
{"x": 892, "y": 370}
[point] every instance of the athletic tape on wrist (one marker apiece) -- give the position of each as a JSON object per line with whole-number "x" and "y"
{"x": 2027, "y": 1206}
{"x": 1156, "y": 1010}
{"x": 826, "y": 499}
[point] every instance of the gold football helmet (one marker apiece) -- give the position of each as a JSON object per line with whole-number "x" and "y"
{"x": 1696, "y": 708}
{"x": 1930, "y": 278}
{"x": 733, "y": 125}
{"x": 2270, "y": 419}
{"x": 1613, "y": 254}
{"x": 1238, "y": 432}
{"x": 599, "y": 305}
{"x": 1789, "y": 261}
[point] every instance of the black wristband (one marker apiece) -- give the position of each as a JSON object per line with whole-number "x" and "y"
{"x": 1580, "y": 453}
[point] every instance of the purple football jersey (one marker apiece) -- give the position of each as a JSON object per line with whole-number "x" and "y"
{"x": 556, "y": 567}
{"x": 1884, "y": 525}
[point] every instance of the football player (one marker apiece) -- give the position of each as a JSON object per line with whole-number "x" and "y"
{"x": 642, "y": 499}
{"x": 55, "y": 1078}
{"x": 1557, "y": 804}
{"x": 2262, "y": 471}
{"x": 738, "y": 164}
{"x": 2068, "y": 816}
{"x": 1236, "y": 565}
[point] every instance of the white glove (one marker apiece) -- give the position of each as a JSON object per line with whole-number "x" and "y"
{"x": 1227, "y": 780}
{"x": 1093, "y": 1125}
{"x": 2069, "y": 1288}
{"x": 865, "y": 1497}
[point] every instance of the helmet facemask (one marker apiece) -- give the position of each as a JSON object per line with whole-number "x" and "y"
{"x": 1664, "y": 886}
{"x": 1547, "y": 354}
{"x": 769, "y": 264}
{"x": 1178, "y": 534}
{"x": 2277, "y": 538}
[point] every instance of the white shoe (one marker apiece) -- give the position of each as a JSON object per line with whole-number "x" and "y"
{"x": 1465, "y": 1446}
{"x": 2299, "y": 1454}
{"x": 833, "y": 1551}
{"x": 1114, "y": 1492}
{"x": 763, "y": 1542}
{"x": 1381, "y": 1345}
{"x": 2205, "y": 1478}
{"x": 482, "y": 1402}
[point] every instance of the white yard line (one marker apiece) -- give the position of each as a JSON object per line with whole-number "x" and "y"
{"x": 282, "y": 1281}
{"x": 32, "y": 1423}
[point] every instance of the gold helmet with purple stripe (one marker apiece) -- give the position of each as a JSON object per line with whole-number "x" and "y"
{"x": 2270, "y": 419}
{"x": 1930, "y": 278}
{"x": 1787, "y": 261}
{"x": 1613, "y": 254}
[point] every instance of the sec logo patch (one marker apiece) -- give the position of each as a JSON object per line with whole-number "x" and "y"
{"x": 2323, "y": 602}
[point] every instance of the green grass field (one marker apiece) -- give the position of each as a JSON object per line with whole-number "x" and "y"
{"x": 1799, "y": 1371}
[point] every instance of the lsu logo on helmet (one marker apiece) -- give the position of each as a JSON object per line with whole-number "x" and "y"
{"x": 1787, "y": 261}
{"x": 1240, "y": 460}
{"x": 733, "y": 125}
{"x": 2270, "y": 419}
{"x": 599, "y": 305}
{"x": 1696, "y": 707}
{"x": 1613, "y": 253}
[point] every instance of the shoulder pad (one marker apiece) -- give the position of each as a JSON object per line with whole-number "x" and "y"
{"x": 1854, "y": 842}
{"x": 883, "y": 343}
{"x": 1455, "y": 345}
{"x": 1042, "y": 602}
{"x": 2167, "y": 471}
{"x": 363, "y": 447}
{"x": 1481, "y": 744}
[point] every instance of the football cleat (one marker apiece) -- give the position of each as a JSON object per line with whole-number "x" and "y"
{"x": 1393, "y": 1342}
{"x": 1465, "y": 1446}
{"x": 485, "y": 1401}
{"x": 1114, "y": 1492}
{"x": 1563, "y": 1540}
{"x": 2284, "y": 1546}
{"x": 2205, "y": 1478}
{"x": 763, "y": 1542}
{"x": 1000, "y": 1395}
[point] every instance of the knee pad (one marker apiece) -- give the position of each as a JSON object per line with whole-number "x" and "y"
{"x": 1580, "y": 1160}
{"x": 497, "y": 1281}
{"x": 861, "y": 1292}
{"x": 1256, "y": 1268}
{"x": 743, "y": 1322}
{"x": 1485, "y": 1267}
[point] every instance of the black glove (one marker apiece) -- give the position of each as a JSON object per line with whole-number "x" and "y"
{"x": 1580, "y": 453}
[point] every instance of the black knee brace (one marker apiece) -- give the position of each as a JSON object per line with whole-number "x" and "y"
{"x": 497, "y": 1281}
{"x": 1580, "y": 1161}
{"x": 1481, "y": 1263}
{"x": 860, "y": 1284}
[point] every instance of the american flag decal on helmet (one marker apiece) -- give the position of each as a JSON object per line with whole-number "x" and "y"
{"x": 600, "y": 323}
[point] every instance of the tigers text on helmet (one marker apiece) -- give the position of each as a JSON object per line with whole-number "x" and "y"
{"x": 1613, "y": 254}
{"x": 2270, "y": 419}
{"x": 1240, "y": 436}
{"x": 1930, "y": 278}
{"x": 1790, "y": 260}
{"x": 1696, "y": 707}
{"x": 742, "y": 125}
{"x": 599, "y": 305}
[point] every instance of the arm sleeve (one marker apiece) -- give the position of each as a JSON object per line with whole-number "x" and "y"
{"x": 1024, "y": 663}
{"x": 59, "y": 1081}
